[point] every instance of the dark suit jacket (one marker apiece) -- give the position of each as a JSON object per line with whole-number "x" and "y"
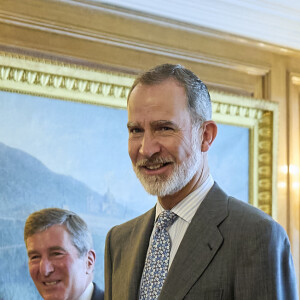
{"x": 97, "y": 293}
{"x": 231, "y": 250}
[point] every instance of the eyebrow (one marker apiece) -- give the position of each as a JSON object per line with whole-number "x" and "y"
{"x": 31, "y": 252}
{"x": 154, "y": 123}
{"x": 132, "y": 124}
{"x": 164, "y": 122}
{"x": 57, "y": 248}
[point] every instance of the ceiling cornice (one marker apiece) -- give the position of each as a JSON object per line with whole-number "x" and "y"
{"x": 65, "y": 29}
{"x": 271, "y": 23}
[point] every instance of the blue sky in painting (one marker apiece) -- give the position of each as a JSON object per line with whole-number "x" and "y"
{"x": 229, "y": 160}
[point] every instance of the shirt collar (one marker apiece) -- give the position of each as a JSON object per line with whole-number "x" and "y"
{"x": 87, "y": 294}
{"x": 187, "y": 207}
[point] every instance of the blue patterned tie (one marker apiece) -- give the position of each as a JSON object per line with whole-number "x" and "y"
{"x": 157, "y": 261}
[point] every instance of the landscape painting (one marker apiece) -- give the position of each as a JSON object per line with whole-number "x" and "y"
{"x": 56, "y": 153}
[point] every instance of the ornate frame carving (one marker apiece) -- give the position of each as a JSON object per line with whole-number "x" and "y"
{"x": 71, "y": 82}
{"x": 261, "y": 117}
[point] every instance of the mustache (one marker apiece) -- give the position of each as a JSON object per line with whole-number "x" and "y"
{"x": 152, "y": 161}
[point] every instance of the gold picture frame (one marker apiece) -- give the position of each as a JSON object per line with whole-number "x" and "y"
{"x": 54, "y": 79}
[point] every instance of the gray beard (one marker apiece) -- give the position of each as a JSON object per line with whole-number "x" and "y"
{"x": 162, "y": 186}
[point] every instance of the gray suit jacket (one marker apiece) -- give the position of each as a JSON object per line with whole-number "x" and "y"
{"x": 231, "y": 250}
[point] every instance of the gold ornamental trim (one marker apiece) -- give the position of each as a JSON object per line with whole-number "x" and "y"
{"x": 54, "y": 80}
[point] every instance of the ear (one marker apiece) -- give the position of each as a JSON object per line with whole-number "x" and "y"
{"x": 209, "y": 132}
{"x": 90, "y": 262}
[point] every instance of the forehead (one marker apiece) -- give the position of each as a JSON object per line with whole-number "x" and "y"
{"x": 56, "y": 235}
{"x": 165, "y": 97}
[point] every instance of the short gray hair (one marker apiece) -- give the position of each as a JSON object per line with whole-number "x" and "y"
{"x": 76, "y": 226}
{"x": 198, "y": 98}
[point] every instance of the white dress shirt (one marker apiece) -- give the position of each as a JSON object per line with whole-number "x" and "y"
{"x": 185, "y": 210}
{"x": 87, "y": 294}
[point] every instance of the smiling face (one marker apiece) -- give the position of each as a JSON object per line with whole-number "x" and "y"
{"x": 55, "y": 266}
{"x": 164, "y": 147}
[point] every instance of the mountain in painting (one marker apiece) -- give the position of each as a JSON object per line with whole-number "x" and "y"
{"x": 26, "y": 185}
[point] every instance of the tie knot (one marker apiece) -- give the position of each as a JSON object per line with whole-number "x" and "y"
{"x": 166, "y": 219}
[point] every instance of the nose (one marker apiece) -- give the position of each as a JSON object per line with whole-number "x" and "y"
{"x": 149, "y": 145}
{"x": 46, "y": 267}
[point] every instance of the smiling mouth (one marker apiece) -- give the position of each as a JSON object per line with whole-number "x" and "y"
{"x": 51, "y": 283}
{"x": 155, "y": 166}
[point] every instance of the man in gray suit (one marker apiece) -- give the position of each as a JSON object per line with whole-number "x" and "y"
{"x": 217, "y": 247}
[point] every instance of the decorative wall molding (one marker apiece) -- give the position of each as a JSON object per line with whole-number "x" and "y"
{"x": 45, "y": 78}
{"x": 270, "y": 22}
{"x": 69, "y": 82}
{"x": 267, "y": 150}
{"x": 261, "y": 117}
{"x": 89, "y": 34}
{"x": 295, "y": 79}
{"x": 292, "y": 169}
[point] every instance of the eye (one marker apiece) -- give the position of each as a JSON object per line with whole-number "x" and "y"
{"x": 165, "y": 128}
{"x": 34, "y": 257}
{"x": 135, "y": 130}
{"x": 57, "y": 253}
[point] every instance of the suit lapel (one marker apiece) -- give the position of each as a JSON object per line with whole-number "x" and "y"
{"x": 198, "y": 247}
{"x": 138, "y": 245}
